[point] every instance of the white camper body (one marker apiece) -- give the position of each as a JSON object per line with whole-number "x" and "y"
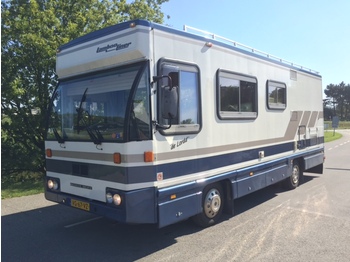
{"x": 155, "y": 125}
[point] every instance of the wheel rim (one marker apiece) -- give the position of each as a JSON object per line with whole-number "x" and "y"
{"x": 295, "y": 175}
{"x": 212, "y": 203}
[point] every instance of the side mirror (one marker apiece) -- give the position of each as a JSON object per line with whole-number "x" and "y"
{"x": 169, "y": 102}
{"x": 169, "y": 98}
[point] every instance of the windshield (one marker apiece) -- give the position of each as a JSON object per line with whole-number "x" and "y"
{"x": 111, "y": 106}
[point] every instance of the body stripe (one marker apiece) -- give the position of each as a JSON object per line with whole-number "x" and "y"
{"x": 313, "y": 119}
{"x": 289, "y": 135}
{"x": 142, "y": 174}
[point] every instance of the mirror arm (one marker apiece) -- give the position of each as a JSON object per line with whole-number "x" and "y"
{"x": 158, "y": 126}
{"x": 157, "y": 78}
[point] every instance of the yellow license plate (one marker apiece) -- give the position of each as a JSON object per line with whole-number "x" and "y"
{"x": 80, "y": 204}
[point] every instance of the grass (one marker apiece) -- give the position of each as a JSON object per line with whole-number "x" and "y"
{"x": 342, "y": 125}
{"x": 331, "y": 136}
{"x": 18, "y": 189}
{"x": 23, "y": 184}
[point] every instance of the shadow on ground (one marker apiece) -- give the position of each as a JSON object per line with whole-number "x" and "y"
{"x": 52, "y": 233}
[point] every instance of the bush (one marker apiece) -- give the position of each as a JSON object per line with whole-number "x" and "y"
{"x": 342, "y": 125}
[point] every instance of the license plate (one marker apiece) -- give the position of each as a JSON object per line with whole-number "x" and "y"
{"x": 80, "y": 204}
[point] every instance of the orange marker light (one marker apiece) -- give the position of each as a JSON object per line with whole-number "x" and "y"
{"x": 48, "y": 152}
{"x": 117, "y": 158}
{"x": 148, "y": 156}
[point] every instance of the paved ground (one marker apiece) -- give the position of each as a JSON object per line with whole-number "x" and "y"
{"x": 311, "y": 223}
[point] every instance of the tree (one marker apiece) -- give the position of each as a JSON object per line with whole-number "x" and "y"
{"x": 338, "y": 98}
{"x": 32, "y": 31}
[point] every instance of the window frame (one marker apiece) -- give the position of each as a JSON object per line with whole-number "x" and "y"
{"x": 239, "y": 115}
{"x": 141, "y": 68}
{"x": 276, "y": 84}
{"x": 178, "y": 129}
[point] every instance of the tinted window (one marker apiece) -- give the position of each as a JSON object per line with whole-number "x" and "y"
{"x": 237, "y": 95}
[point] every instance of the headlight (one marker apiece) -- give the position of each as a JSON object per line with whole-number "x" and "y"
{"x": 116, "y": 199}
{"x": 109, "y": 198}
{"x": 52, "y": 184}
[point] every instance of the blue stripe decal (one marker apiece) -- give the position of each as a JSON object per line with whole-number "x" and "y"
{"x": 177, "y": 169}
{"x": 141, "y": 174}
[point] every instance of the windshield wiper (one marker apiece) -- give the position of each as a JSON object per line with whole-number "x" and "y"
{"x": 60, "y": 140}
{"x": 98, "y": 138}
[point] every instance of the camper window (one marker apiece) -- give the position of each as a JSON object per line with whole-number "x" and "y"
{"x": 185, "y": 78}
{"x": 236, "y": 95}
{"x": 276, "y": 95}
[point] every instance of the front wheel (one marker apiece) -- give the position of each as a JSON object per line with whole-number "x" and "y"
{"x": 293, "y": 181}
{"x": 212, "y": 205}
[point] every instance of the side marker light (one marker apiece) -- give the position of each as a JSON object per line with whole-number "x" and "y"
{"x": 48, "y": 152}
{"x": 148, "y": 156}
{"x": 117, "y": 158}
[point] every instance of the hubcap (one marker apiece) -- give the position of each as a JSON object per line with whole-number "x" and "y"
{"x": 212, "y": 203}
{"x": 295, "y": 175}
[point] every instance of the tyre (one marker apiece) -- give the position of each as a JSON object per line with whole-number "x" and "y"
{"x": 293, "y": 181}
{"x": 212, "y": 205}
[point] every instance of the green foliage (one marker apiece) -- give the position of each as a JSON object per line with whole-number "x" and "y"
{"x": 32, "y": 31}
{"x": 338, "y": 101}
{"x": 21, "y": 184}
{"x": 342, "y": 125}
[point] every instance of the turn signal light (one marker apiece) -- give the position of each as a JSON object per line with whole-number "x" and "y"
{"x": 48, "y": 152}
{"x": 148, "y": 156}
{"x": 117, "y": 158}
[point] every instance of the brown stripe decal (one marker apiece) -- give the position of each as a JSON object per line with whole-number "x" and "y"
{"x": 306, "y": 118}
{"x": 83, "y": 155}
{"x": 313, "y": 119}
{"x": 292, "y": 127}
{"x": 320, "y": 115}
{"x": 304, "y": 122}
{"x": 297, "y": 119}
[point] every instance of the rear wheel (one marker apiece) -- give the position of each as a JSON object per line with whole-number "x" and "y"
{"x": 293, "y": 181}
{"x": 212, "y": 205}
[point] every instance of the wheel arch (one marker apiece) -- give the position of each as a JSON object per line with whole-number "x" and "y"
{"x": 228, "y": 196}
{"x": 301, "y": 162}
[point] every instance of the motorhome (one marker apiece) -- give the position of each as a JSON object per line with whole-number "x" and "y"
{"x": 154, "y": 125}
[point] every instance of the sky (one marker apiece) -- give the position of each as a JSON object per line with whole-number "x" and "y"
{"x": 311, "y": 33}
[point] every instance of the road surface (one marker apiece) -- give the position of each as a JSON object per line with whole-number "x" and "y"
{"x": 310, "y": 223}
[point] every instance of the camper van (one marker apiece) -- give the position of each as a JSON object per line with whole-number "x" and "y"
{"x": 154, "y": 125}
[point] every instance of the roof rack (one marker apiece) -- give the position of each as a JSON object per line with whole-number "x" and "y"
{"x": 206, "y": 34}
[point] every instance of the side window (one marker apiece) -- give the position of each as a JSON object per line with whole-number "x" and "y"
{"x": 185, "y": 78}
{"x": 236, "y": 96}
{"x": 276, "y": 95}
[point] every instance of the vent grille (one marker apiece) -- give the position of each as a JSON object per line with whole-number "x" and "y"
{"x": 80, "y": 169}
{"x": 293, "y": 75}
